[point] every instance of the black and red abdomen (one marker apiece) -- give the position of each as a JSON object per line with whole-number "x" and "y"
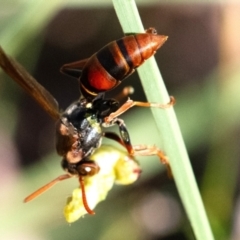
{"x": 117, "y": 60}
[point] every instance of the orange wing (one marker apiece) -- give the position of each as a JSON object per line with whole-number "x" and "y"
{"x": 20, "y": 75}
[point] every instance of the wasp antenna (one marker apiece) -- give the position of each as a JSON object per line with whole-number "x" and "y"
{"x": 46, "y": 187}
{"x": 84, "y": 199}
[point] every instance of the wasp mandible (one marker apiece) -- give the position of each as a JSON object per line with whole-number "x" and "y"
{"x": 79, "y": 129}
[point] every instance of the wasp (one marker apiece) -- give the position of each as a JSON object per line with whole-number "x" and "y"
{"x": 79, "y": 129}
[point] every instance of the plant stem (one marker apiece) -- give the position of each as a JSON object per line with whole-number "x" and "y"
{"x": 168, "y": 127}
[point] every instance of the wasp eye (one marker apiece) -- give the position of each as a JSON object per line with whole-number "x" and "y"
{"x": 87, "y": 168}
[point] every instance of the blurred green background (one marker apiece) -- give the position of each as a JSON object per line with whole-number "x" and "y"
{"x": 200, "y": 64}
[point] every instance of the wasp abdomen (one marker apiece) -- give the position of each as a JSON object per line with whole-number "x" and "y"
{"x": 117, "y": 60}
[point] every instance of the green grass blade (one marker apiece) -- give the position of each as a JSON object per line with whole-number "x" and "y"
{"x": 168, "y": 127}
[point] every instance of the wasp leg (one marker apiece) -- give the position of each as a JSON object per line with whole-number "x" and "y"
{"x": 125, "y": 137}
{"x": 128, "y": 90}
{"x": 115, "y": 137}
{"x": 151, "y": 30}
{"x": 145, "y": 150}
{"x": 46, "y": 187}
{"x": 124, "y": 140}
{"x": 130, "y": 103}
{"x": 140, "y": 150}
{"x": 74, "y": 69}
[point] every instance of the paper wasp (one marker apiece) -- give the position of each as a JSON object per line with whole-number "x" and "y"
{"x": 79, "y": 129}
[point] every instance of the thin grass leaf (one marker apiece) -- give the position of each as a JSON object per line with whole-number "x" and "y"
{"x": 168, "y": 127}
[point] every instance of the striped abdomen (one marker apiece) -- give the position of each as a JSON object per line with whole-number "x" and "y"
{"x": 117, "y": 60}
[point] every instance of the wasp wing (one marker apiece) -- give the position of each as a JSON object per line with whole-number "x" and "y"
{"x": 74, "y": 69}
{"x": 20, "y": 75}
